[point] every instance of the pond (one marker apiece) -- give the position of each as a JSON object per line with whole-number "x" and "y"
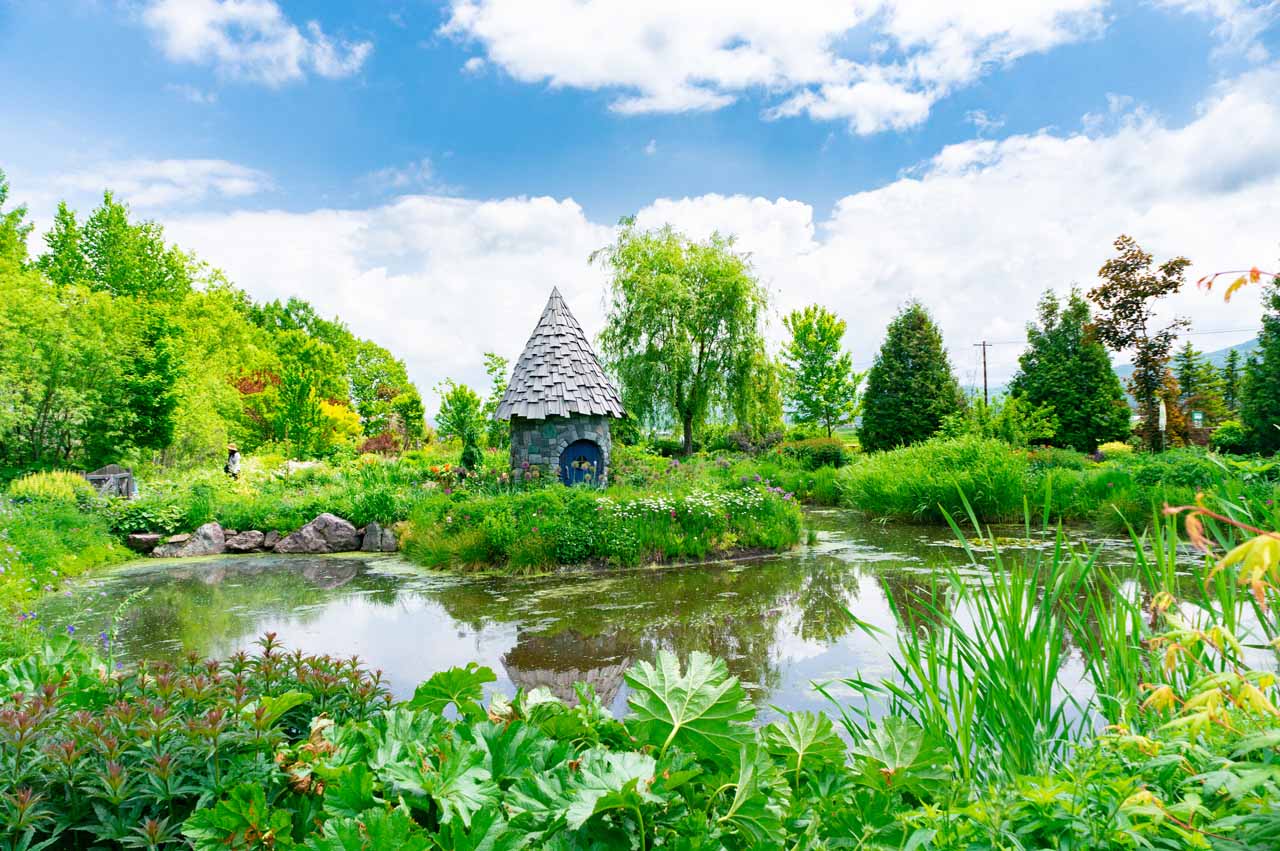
{"x": 780, "y": 622}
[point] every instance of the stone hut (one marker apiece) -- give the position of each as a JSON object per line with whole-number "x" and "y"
{"x": 560, "y": 402}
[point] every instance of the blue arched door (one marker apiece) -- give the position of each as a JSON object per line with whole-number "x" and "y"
{"x": 580, "y": 463}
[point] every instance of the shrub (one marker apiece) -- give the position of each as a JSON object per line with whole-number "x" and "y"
{"x": 924, "y": 480}
{"x": 1114, "y": 449}
{"x": 818, "y": 452}
{"x": 113, "y": 757}
{"x": 539, "y": 530}
{"x": 57, "y": 485}
{"x": 1230, "y": 437}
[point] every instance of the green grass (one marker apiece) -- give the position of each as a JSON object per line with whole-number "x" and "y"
{"x": 538, "y": 530}
{"x": 42, "y": 543}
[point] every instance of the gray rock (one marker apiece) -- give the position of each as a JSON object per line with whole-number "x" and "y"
{"x": 245, "y": 542}
{"x": 270, "y": 540}
{"x": 142, "y": 542}
{"x": 208, "y": 540}
{"x": 378, "y": 539}
{"x": 177, "y": 539}
{"x": 328, "y": 533}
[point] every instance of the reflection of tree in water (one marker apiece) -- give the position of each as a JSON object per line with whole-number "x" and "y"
{"x": 589, "y": 623}
{"x": 200, "y": 606}
{"x": 914, "y": 598}
{"x": 559, "y": 660}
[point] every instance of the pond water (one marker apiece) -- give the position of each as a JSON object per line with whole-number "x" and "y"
{"x": 779, "y": 622}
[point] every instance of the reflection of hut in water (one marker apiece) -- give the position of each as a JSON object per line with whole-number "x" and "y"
{"x": 556, "y": 662}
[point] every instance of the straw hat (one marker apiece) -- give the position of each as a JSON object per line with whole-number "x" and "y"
{"x": 231, "y": 447}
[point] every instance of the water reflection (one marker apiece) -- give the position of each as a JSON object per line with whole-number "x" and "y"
{"x": 780, "y": 623}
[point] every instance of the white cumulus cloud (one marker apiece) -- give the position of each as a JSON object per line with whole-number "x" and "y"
{"x": 976, "y": 233}
{"x": 249, "y": 40}
{"x": 162, "y": 183}
{"x": 876, "y": 64}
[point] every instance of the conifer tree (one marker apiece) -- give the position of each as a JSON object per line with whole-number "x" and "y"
{"x": 1231, "y": 381}
{"x": 1067, "y": 369}
{"x": 1260, "y": 399}
{"x": 910, "y": 388}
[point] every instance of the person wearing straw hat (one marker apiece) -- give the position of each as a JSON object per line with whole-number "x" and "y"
{"x": 232, "y": 467}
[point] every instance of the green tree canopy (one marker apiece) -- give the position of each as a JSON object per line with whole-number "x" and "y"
{"x": 1065, "y": 368}
{"x": 1200, "y": 385}
{"x": 910, "y": 388}
{"x": 461, "y": 416}
{"x": 821, "y": 386}
{"x": 1126, "y": 301}
{"x": 1260, "y": 401}
{"x": 1231, "y": 379}
{"x": 683, "y": 324}
{"x": 497, "y": 432}
{"x": 13, "y": 228}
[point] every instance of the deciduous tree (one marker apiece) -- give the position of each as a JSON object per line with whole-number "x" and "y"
{"x": 683, "y": 324}
{"x": 1131, "y": 286}
{"x": 821, "y": 385}
{"x": 910, "y": 388}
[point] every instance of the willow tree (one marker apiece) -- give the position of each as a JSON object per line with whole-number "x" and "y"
{"x": 683, "y": 324}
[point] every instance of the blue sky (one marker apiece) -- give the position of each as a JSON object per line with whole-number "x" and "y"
{"x": 439, "y": 157}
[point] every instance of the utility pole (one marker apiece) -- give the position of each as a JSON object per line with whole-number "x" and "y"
{"x": 984, "y": 345}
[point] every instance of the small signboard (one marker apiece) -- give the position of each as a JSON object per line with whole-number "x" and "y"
{"x": 1197, "y": 419}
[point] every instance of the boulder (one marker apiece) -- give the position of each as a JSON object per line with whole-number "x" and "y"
{"x": 208, "y": 540}
{"x": 245, "y": 542}
{"x": 270, "y": 540}
{"x": 378, "y": 539}
{"x": 177, "y": 539}
{"x": 328, "y": 533}
{"x": 142, "y": 542}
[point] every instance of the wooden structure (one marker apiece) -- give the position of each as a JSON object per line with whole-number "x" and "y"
{"x": 559, "y": 401}
{"x": 113, "y": 480}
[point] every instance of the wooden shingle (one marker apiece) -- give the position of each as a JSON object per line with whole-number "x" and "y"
{"x": 558, "y": 374}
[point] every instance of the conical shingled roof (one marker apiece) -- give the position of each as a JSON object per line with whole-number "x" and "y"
{"x": 558, "y": 374}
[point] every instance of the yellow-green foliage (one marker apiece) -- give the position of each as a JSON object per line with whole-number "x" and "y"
{"x": 1115, "y": 449}
{"x": 58, "y": 485}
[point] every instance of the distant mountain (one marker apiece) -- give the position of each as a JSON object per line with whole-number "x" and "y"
{"x": 1218, "y": 358}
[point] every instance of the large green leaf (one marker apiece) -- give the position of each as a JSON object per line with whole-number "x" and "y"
{"x": 462, "y": 687}
{"x": 539, "y": 802}
{"x": 515, "y": 749}
{"x": 373, "y": 830}
{"x": 453, "y": 777}
{"x": 703, "y": 709}
{"x": 804, "y": 739}
{"x": 241, "y": 820}
{"x": 897, "y": 754}
{"x": 759, "y": 799}
{"x": 488, "y": 832}
{"x": 349, "y": 792}
{"x": 611, "y": 781}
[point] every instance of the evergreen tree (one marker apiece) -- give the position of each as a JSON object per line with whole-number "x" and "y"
{"x": 822, "y": 387}
{"x": 910, "y": 388}
{"x": 1260, "y": 399}
{"x": 1231, "y": 381}
{"x": 1200, "y": 385}
{"x": 1067, "y": 369}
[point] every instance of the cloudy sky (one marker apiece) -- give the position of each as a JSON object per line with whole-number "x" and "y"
{"x": 429, "y": 170}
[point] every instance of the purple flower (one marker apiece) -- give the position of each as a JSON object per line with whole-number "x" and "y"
{"x": 71, "y": 630}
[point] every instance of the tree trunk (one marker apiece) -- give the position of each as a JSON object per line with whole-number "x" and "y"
{"x": 688, "y": 435}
